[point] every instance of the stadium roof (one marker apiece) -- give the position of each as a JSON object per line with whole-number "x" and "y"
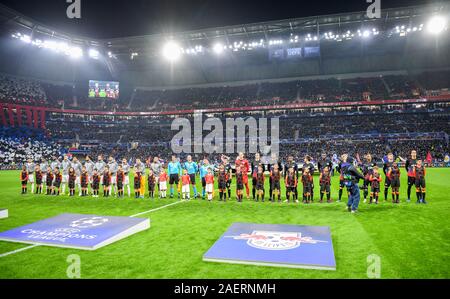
{"x": 264, "y": 30}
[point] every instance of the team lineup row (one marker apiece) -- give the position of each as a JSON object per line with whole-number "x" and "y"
{"x": 89, "y": 177}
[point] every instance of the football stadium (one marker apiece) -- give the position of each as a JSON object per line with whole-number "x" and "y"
{"x": 309, "y": 147}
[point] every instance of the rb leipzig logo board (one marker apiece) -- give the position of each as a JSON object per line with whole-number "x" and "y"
{"x": 291, "y": 246}
{"x": 87, "y": 232}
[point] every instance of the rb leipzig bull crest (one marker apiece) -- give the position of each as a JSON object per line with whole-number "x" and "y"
{"x": 273, "y": 240}
{"x": 277, "y": 245}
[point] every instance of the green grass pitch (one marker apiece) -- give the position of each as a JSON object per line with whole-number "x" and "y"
{"x": 412, "y": 241}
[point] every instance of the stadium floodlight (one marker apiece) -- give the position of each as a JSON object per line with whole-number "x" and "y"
{"x": 93, "y": 53}
{"x": 171, "y": 51}
{"x": 133, "y": 55}
{"x": 75, "y": 52}
{"x": 436, "y": 25}
{"x": 218, "y": 48}
{"x": 26, "y": 39}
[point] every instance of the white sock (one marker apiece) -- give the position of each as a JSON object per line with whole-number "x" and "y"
{"x": 129, "y": 192}
{"x": 63, "y": 189}
{"x": 32, "y": 188}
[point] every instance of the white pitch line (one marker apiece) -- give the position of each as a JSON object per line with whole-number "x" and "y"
{"x": 160, "y": 208}
{"x": 18, "y": 250}
{"x": 36, "y": 245}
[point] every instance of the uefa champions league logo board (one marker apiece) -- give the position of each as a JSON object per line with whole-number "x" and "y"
{"x": 3, "y": 213}
{"x": 291, "y": 246}
{"x": 87, "y": 232}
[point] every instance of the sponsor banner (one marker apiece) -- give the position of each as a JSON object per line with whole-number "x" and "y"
{"x": 292, "y": 246}
{"x": 88, "y": 232}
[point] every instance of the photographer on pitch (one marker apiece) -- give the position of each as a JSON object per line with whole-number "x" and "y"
{"x": 351, "y": 178}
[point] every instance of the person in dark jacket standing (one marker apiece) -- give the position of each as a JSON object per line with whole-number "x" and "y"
{"x": 351, "y": 177}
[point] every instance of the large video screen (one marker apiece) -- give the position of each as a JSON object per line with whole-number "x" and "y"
{"x": 103, "y": 89}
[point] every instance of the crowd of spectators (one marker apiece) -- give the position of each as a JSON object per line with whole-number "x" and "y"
{"x": 17, "y": 145}
{"x": 22, "y": 91}
{"x": 362, "y": 129}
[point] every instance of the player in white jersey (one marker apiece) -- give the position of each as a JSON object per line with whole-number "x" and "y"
{"x": 30, "y": 169}
{"x": 126, "y": 173}
{"x": 89, "y": 169}
{"x": 44, "y": 165}
{"x": 65, "y": 165}
{"x": 139, "y": 166}
{"x": 56, "y": 163}
{"x": 77, "y": 167}
{"x": 113, "y": 167}
{"x": 100, "y": 166}
{"x": 156, "y": 167}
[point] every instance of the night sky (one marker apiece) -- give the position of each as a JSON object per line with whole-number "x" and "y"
{"x": 114, "y": 18}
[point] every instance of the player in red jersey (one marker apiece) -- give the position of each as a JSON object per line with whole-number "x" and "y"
{"x": 222, "y": 182}
{"x": 49, "y": 182}
{"x": 375, "y": 180}
{"x": 410, "y": 164}
{"x": 71, "y": 181}
{"x": 209, "y": 186}
{"x": 38, "y": 176}
{"x": 57, "y": 182}
{"x": 291, "y": 184}
{"x": 106, "y": 181}
{"x": 245, "y": 166}
{"x": 163, "y": 177}
{"x": 307, "y": 181}
{"x": 419, "y": 174}
{"x": 239, "y": 184}
{"x": 24, "y": 179}
{"x": 95, "y": 183}
{"x": 151, "y": 183}
{"x": 254, "y": 171}
{"x": 186, "y": 183}
{"x": 275, "y": 176}
{"x": 259, "y": 180}
{"x": 137, "y": 182}
{"x": 394, "y": 177}
{"x": 120, "y": 178}
{"x": 325, "y": 182}
{"x": 229, "y": 171}
{"x": 84, "y": 181}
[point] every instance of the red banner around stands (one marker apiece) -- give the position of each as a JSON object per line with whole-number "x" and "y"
{"x": 29, "y": 116}
{"x": 42, "y": 118}
{"x": 2, "y": 116}
{"x": 19, "y": 115}
{"x": 35, "y": 111}
{"x": 36, "y": 117}
{"x": 11, "y": 115}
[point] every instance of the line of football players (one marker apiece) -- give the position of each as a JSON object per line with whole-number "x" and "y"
{"x": 113, "y": 177}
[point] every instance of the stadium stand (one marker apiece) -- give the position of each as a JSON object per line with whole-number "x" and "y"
{"x": 21, "y": 91}
{"x": 364, "y": 128}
